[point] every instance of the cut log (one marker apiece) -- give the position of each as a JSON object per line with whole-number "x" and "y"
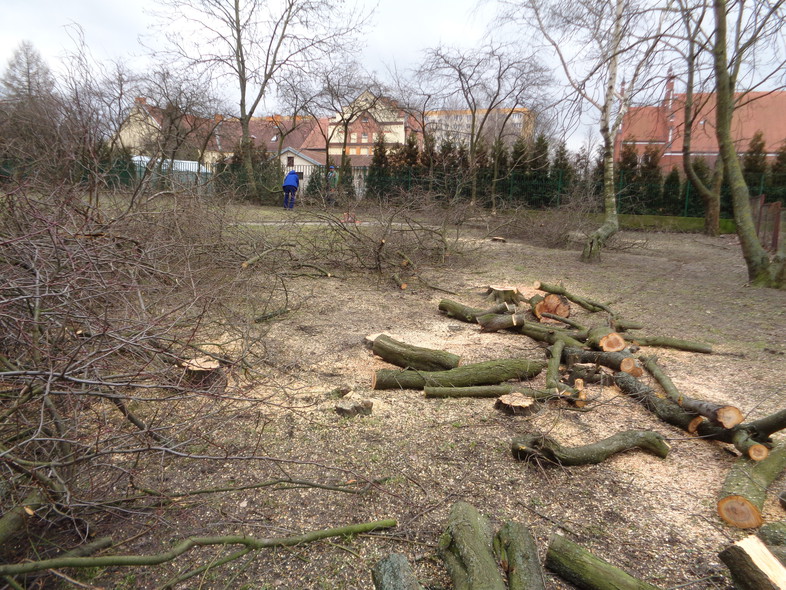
{"x": 602, "y": 338}
{"x": 466, "y": 549}
{"x": 753, "y": 566}
{"x": 745, "y": 488}
{"x": 618, "y": 361}
{"x": 413, "y": 357}
{"x": 676, "y": 343}
{"x": 552, "y": 304}
{"x": 485, "y": 373}
{"x": 587, "y": 304}
{"x": 516, "y": 404}
{"x": 394, "y": 573}
{"x": 583, "y": 569}
{"x": 468, "y": 314}
{"x": 726, "y": 416}
{"x": 545, "y": 447}
{"x": 754, "y": 450}
{"x": 517, "y": 553}
{"x": 504, "y": 294}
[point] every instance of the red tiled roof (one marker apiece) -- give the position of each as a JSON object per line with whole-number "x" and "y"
{"x": 664, "y": 124}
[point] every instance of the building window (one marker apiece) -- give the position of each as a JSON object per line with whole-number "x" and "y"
{"x": 364, "y": 138}
{"x": 353, "y": 138}
{"x": 290, "y": 161}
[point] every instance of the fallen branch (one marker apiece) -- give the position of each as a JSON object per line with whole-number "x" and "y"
{"x": 726, "y": 416}
{"x": 545, "y": 447}
{"x": 188, "y": 544}
{"x": 666, "y": 342}
{"x": 468, "y": 314}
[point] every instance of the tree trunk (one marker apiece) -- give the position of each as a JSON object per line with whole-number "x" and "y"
{"x": 545, "y": 447}
{"x": 485, "y": 373}
{"x": 516, "y": 551}
{"x": 465, "y": 547}
{"x": 745, "y": 488}
{"x": 581, "y": 568}
{"x": 761, "y": 272}
{"x": 753, "y": 566}
{"x": 726, "y": 416}
{"x": 394, "y": 573}
{"x": 412, "y": 357}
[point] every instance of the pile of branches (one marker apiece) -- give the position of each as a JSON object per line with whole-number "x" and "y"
{"x": 609, "y": 353}
{"x": 106, "y": 357}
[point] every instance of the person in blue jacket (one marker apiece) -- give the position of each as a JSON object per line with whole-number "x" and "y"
{"x": 291, "y": 183}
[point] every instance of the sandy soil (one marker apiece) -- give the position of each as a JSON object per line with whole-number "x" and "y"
{"x": 653, "y": 517}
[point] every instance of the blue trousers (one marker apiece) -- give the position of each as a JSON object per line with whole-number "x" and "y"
{"x": 289, "y": 197}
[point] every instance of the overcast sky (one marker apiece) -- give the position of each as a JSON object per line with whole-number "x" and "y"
{"x": 401, "y": 28}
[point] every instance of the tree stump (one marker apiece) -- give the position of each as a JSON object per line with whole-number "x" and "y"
{"x": 504, "y": 294}
{"x": 516, "y": 404}
{"x": 204, "y": 372}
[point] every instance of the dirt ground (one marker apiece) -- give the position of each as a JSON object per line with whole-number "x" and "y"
{"x": 653, "y": 517}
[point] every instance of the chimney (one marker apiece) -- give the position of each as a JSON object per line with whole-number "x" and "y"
{"x": 141, "y": 100}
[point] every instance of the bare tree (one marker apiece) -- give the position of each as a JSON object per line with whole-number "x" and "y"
{"x": 747, "y": 44}
{"x": 596, "y": 44}
{"x": 491, "y": 84}
{"x": 254, "y": 42}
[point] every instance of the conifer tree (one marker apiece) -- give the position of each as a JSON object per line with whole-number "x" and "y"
{"x": 754, "y": 164}
{"x": 650, "y": 179}
{"x": 562, "y": 169}
{"x": 672, "y": 195}
{"x": 378, "y": 179}
{"x": 778, "y": 175}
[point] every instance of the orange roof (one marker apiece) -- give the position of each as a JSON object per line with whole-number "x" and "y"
{"x": 664, "y": 124}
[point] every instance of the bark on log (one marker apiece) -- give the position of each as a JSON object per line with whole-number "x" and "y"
{"x": 516, "y": 552}
{"x": 545, "y": 447}
{"x": 465, "y": 547}
{"x": 671, "y": 413}
{"x": 583, "y": 569}
{"x": 552, "y": 369}
{"x": 665, "y": 342}
{"x": 413, "y": 357}
{"x": 468, "y": 314}
{"x": 726, "y": 416}
{"x": 752, "y": 449}
{"x": 490, "y": 391}
{"x": 753, "y": 566}
{"x": 602, "y": 338}
{"x": 589, "y": 374}
{"x": 619, "y": 361}
{"x": 394, "y": 573}
{"x": 773, "y": 533}
{"x": 587, "y": 304}
{"x": 745, "y": 488}
{"x": 485, "y": 373}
